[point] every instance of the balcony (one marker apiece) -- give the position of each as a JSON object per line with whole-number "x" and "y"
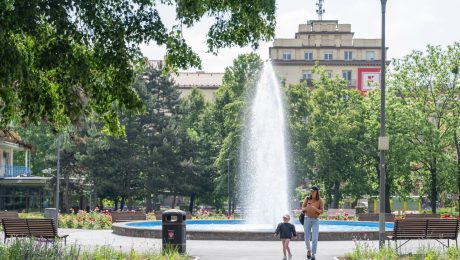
{"x": 8, "y": 170}
{"x": 308, "y": 81}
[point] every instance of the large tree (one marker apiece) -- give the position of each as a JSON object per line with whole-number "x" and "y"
{"x": 425, "y": 82}
{"x": 64, "y": 60}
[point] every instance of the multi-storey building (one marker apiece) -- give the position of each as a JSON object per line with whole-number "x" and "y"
{"x": 331, "y": 45}
{"x": 207, "y": 82}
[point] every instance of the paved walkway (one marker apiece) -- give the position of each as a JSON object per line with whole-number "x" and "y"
{"x": 220, "y": 250}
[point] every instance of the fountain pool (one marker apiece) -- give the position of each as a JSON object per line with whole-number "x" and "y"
{"x": 239, "y": 230}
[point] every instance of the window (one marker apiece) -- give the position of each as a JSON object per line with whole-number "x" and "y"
{"x": 308, "y": 55}
{"x": 328, "y": 55}
{"x": 286, "y": 55}
{"x": 346, "y": 74}
{"x": 329, "y": 73}
{"x": 306, "y": 75}
{"x": 370, "y": 55}
{"x": 348, "y": 55}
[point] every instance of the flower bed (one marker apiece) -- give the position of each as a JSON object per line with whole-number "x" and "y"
{"x": 86, "y": 220}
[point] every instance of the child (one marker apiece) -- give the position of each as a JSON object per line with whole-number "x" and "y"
{"x": 286, "y": 230}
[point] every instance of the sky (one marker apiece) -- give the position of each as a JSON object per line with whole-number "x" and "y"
{"x": 410, "y": 25}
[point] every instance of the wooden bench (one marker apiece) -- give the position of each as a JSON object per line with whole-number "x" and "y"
{"x": 36, "y": 228}
{"x": 422, "y": 216}
{"x": 436, "y": 229}
{"x": 375, "y": 217}
{"x": 334, "y": 213}
{"x": 125, "y": 216}
{"x": 9, "y": 214}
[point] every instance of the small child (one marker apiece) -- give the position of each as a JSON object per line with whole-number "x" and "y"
{"x": 286, "y": 230}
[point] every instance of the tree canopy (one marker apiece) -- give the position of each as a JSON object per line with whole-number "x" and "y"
{"x": 63, "y": 61}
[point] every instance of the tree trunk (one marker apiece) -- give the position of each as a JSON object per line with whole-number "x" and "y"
{"x": 336, "y": 192}
{"x": 192, "y": 202}
{"x": 434, "y": 192}
{"x": 122, "y": 202}
{"x": 173, "y": 204}
{"x": 66, "y": 194}
{"x": 130, "y": 200}
{"x": 115, "y": 201}
{"x": 148, "y": 202}
{"x": 457, "y": 148}
{"x": 388, "y": 182}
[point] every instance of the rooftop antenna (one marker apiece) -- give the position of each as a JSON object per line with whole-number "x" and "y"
{"x": 320, "y": 11}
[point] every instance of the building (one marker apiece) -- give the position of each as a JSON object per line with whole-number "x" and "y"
{"x": 19, "y": 190}
{"x": 331, "y": 45}
{"x": 207, "y": 82}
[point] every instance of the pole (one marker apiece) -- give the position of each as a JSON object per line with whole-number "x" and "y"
{"x": 382, "y": 133}
{"x": 56, "y": 203}
{"x": 228, "y": 187}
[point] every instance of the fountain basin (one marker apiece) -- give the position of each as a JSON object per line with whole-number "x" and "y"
{"x": 237, "y": 230}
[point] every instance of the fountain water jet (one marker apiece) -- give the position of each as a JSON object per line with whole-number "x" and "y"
{"x": 264, "y": 180}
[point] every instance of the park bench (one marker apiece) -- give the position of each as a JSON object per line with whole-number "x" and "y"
{"x": 436, "y": 229}
{"x": 125, "y": 216}
{"x": 36, "y": 228}
{"x": 375, "y": 217}
{"x": 9, "y": 214}
{"x": 422, "y": 216}
{"x": 334, "y": 213}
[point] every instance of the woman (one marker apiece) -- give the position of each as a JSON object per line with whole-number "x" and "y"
{"x": 313, "y": 206}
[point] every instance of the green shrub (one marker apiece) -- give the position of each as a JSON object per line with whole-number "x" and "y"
{"x": 29, "y": 249}
{"x": 365, "y": 251}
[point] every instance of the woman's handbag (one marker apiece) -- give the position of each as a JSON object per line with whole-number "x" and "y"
{"x": 302, "y": 217}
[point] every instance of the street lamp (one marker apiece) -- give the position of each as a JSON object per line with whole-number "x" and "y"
{"x": 228, "y": 186}
{"x": 383, "y": 140}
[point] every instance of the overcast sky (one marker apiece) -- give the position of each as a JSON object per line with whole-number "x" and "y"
{"x": 411, "y": 25}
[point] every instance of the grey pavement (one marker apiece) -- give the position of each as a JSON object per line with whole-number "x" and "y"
{"x": 219, "y": 250}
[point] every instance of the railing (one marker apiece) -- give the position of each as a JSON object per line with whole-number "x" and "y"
{"x": 8, "y": 170}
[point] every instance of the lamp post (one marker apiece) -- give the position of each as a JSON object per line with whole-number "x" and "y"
{"x": 228, "y": 186}
{"x": 383, "y": 140}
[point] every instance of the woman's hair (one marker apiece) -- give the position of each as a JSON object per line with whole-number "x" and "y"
{"x": 317, "y": 196}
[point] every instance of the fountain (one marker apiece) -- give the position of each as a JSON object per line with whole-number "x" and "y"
{"x": 264, "y": 160}
{"x": 264, "y": 184}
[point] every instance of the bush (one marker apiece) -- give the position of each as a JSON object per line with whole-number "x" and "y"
{"x": 86, "y": 220}
{"x": 29, "y": 249}
{"x": 365, "y": 251}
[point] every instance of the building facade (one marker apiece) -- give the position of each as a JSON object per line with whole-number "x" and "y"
{"x": 19, "y": 189}
{"x": 332, "y": 45}
{"x": 207, "y": 82}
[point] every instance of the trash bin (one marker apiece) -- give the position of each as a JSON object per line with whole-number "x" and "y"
{"x": 173, "y": 230}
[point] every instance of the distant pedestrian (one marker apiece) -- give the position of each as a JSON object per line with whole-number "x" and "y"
{"x": 286, "y": 231}
{"x": 313, "y": 206}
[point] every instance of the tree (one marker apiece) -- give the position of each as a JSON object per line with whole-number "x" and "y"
{"x": 336, "y": 127}
{"x": 399, "y": 158}
{"x": 227, "y": 114}
{"x": 424, "y": 82}
{"x": 63, "y": 61}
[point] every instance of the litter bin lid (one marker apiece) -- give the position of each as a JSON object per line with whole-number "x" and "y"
{"x": 174, "y": 212}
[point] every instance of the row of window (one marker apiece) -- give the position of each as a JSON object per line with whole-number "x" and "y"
{"x": 348, "y": 55}
{"x": 308, "y": 74}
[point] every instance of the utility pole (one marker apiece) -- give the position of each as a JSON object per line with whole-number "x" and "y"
{"x": 383, "y": 140}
